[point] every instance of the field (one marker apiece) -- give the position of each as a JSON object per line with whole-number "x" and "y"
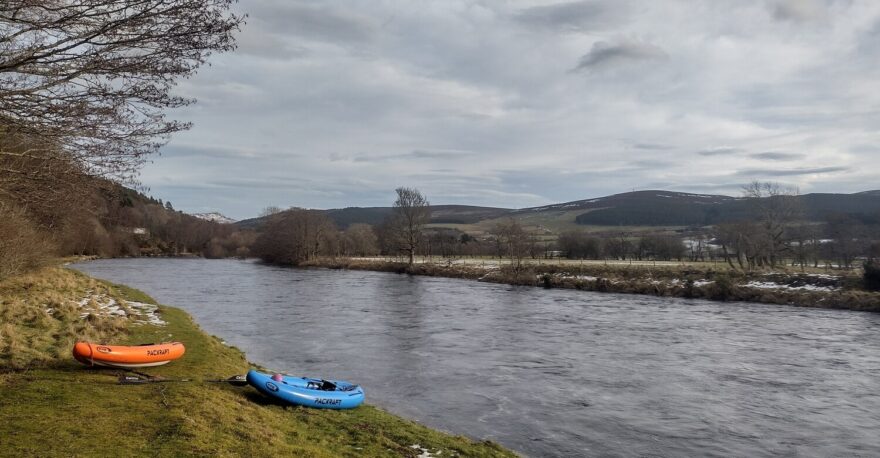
{"x": 551, "y": 223}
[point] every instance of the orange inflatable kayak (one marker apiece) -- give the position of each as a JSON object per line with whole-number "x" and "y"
{"x": 127, "y": 356}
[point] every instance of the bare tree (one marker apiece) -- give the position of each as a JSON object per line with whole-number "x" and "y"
{"x": 360, "y": 240}
{"x": 513, "y": 240}
{"x": 618, "y": 246}
{"x": 580, "y": 245}
{"x": 412, "y": 212}
{"x": 43, "y": 187}
{"x": 848, "y": 235}
{"x": 776, "y": 208}
{"x": 270, "y": 210}
{"x": 660, "y": 247}
{"x": 91, "y": 79}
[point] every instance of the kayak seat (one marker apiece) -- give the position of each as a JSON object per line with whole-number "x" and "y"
{"x": 323, "y": 385}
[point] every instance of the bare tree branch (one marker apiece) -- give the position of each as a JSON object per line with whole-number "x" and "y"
{"x": 95, "y": 76}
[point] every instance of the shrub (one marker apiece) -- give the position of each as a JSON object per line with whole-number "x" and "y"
{"x": 872, "y": 275}
{"x": 547, "y": 281}
{"x": 517, "y": 275}
{"x": 22, "y": 246}
{"x": 722, "y": 287}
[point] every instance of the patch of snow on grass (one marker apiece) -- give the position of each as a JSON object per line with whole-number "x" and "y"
{"x": 101, "y": 305}
{"x": 106, "y": 306}
{"x": 823, "y": 276}
{"x": 423, "y": 452}
{"x": 579, "y": 277}
{"x": 772, "y": 285}
{"x": 149, "y": 312}
{"x": 699, "y": 283}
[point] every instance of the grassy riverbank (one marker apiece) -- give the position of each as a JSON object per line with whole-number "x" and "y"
{"x": 54, "y": 406}
{"x": 813, "y": 288}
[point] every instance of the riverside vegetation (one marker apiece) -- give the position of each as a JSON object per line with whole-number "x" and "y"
{"x": 45, "y": 393}
{"x": 707, "y": 281}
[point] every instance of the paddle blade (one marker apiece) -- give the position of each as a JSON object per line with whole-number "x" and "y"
{"x": 131, "y": 380}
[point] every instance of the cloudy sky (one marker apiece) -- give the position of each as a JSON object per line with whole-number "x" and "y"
{"x": 520, "y": 103}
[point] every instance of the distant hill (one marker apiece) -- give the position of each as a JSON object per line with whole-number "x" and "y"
{"x": 654, "y": 208}
{"x": 650, "y": 208}
{"x": 440, "y": 214}
{"x": 662, "y": 208}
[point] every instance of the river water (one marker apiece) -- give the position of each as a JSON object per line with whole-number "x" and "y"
{"x": 549, "y": 372}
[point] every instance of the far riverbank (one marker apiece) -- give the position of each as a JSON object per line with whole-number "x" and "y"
{"x": 831, "y": 290}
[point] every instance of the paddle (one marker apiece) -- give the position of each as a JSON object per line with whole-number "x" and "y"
{"x": 235, "y": 380}
{"x": 141, "y": 379}
{"x": 138, "y": 380}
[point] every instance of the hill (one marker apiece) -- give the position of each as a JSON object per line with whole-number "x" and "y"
{"x": 662, "y": 208}
{"x": 650, "y": 208}
{"x": 440, "y": 214}
{"x": 634, "y": 210}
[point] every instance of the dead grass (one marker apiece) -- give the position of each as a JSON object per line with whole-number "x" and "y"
{"x": 23, "y": 246}
{"x": 40, "y": 315}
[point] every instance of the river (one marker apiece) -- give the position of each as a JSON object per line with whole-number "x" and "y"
{"x": 548, "y": 372}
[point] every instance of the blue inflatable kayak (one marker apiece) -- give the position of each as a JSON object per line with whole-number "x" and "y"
{"x": 309, "y": 392}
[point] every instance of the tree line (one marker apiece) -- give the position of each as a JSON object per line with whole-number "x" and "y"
{"x": 774, "y": 233}
{"x": 295, "y": 236}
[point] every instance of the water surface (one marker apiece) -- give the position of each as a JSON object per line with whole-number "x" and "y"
{"x": 549, "y": 372}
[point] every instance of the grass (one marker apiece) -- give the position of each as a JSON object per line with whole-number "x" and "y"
{"x": 54, "y": 406}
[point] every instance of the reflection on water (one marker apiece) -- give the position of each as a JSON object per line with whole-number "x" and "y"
{"x": 549, "y": 372}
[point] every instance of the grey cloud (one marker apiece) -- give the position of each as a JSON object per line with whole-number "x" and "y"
{"x": 777, "y": 156}
{"x": 256, "y": 40}
{"x": 789, "y": 172}
{"x": 604, "y": 54}
{"x": 869, "y": 45}
{"x": 428, "y": 154}
{"x": 652, "y": 146}
{"x": 317, "y": 22}
{"x": 205, "y": 151}
{"x": 574, "y": 16}
{"x": 720, "y": 152}
{"x": 798, "y": 10}
{"x": 415, "y": 154}
{"x": 650, "y": 164}
{"x": 174, "y": 150}
{"x": 264, "y": 183}
{"x": 865, "y": 149}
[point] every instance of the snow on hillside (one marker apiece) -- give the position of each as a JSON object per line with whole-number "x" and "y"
{"x": 215, "y": 217}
